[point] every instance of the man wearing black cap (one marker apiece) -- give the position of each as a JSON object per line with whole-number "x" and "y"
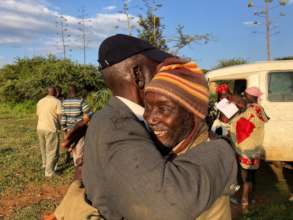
{"x": 124, "y": 174}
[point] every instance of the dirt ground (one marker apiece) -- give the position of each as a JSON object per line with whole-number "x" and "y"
{"x": 31, "y": 195}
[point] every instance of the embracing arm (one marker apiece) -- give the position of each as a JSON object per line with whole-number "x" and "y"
{"x": 150, "y": 186}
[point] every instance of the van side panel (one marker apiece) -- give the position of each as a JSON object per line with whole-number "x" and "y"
{"x": 278, "y": 139}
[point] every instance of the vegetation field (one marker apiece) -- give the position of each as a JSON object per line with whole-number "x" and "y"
{"x": 25, "y": 193}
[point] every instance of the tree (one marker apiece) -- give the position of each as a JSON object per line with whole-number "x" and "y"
{"x": 28, "y": 78}
{"x": 152, "y": 30}
{"x": 182, "y": 39}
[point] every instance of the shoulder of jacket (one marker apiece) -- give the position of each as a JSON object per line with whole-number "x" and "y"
{"x": 220, "y": 143}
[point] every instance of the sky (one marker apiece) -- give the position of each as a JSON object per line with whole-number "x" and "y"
{"x": 32, "y": 28}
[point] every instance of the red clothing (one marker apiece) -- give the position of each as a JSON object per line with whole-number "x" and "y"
{"x": 247, "y": 132}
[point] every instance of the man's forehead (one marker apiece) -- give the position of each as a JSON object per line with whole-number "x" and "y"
{"x": 158, "y": 98}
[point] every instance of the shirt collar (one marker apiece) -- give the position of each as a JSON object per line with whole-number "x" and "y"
{"x": 136, "y": 109}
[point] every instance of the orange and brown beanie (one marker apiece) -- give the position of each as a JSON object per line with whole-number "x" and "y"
{"x": 185, "y": 84}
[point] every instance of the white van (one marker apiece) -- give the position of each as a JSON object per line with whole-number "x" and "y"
{"x": 275, "y": 79}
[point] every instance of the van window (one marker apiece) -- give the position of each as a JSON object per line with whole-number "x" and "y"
{"x": 237, "y": 86}
{"x": 280, "y": 88}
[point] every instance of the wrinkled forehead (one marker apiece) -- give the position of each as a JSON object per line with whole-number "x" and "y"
{"x": 157, "y": 100}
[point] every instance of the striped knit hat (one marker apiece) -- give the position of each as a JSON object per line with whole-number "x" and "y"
{"x": 185, "y": 84}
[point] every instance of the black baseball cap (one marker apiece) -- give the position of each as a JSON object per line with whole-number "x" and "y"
{"x": 119, "y": 47}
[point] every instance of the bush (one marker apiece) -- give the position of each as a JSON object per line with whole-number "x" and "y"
{"x": 98, "y": 99}
{"x": 28, "y": 79}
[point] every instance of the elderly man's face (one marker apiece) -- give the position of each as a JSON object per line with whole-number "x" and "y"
{"x": 170, "y": 122}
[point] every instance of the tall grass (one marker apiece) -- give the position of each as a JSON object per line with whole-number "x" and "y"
{"x": 20, "y": 163}
{"x": 17, "y": 110}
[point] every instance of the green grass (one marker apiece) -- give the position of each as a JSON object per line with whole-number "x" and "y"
{"x": 272, "y": 211}
{"x": 17, "y": 110}
{"x": 20, "y": 158}
{"x": 34, "y": 211}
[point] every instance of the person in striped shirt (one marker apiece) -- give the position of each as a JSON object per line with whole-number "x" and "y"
{"x": 73, "y": 109}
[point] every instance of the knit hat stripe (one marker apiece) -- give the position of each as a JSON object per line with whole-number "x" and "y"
{"x": 177, "y": 98}
{"x": 192, "y": 67}
{"x": 197, "y": 103}
{"x": 185, "y": 84}
{"x": 192, "y": 85}
{"x": 187, "y": 89}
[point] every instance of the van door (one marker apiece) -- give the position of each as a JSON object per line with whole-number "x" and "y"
{"x": 278, "y": 104}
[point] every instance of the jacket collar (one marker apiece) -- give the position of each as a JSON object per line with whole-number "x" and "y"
{"x": 136, "y": 109}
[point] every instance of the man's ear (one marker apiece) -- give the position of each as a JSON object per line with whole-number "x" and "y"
{"x": 138, "y": 76}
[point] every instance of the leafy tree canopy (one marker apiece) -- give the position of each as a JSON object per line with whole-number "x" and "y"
{"x": 151, "y": 30}
{"x": 28, "y": 78}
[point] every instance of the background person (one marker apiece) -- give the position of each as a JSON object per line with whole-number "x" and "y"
{"x": 220, "y": 126}
{"x": 73, "y": 109}
{"x": 48, "y": 112}
{"x": 247, "y": 133}
{"x": 59, "y": 94}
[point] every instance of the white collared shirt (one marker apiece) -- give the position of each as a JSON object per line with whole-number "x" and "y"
{"x": 136, "y": 109}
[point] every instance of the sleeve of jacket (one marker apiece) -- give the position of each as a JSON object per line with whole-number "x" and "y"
{"x": 146, "y": 185}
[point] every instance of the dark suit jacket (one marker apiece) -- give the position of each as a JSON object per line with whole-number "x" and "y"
{"x": 125, "y": 176}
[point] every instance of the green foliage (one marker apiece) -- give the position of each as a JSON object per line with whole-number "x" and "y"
{"x": 151, "y": 30}
{"x": 20, "y": 158}
{"x": 34, "y": 211}
{"x": 285, "y": 58}
{"x": 230, "y": 62}
{"x": 205, "y": 70}
{"x": 28, "y": 78}
{"x": 17, "y": 110}
{"x": 98, "y": 99}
